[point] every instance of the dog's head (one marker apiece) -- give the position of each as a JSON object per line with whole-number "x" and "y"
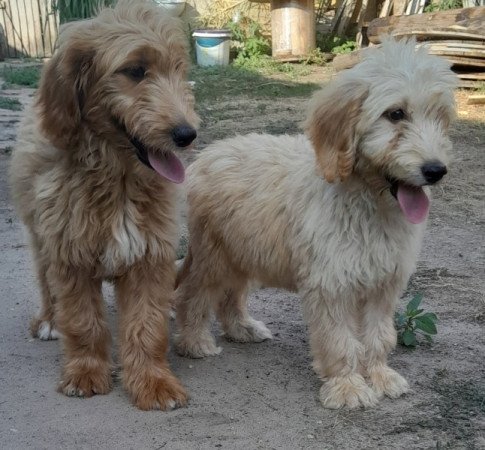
{"x": 386, "y": 119}
{"x": 121, "y": 77}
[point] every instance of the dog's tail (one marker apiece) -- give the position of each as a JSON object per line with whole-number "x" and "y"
{"x": 184, "y": 268}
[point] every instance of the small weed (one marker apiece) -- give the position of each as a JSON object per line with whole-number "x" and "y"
{"x": 10, "y": 103}
{"x": 413, "y": 321}
{"x": 21, "y": 76}
{"x": 335, "y": 44}
{"x": 250, "y": 42}
{"x": 8, "y": 150}
{"x": 443, "y": 5}
{"x": 317, "y": 56}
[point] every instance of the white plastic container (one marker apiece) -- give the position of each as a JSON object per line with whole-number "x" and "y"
{"x": 212, "y": 47}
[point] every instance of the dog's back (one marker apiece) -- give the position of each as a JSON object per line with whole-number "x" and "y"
{"x": 248, "y": 191}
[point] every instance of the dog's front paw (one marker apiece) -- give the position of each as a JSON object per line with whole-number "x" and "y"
{"x": 79, "y": 382}
{"x": 44, "y": 329}
{"x": 160, "y": 391}
{"x": 196, "y": 346}
{"x": 386, "y": 381}
{"x": 350, "y": 391}
{"x": 248, "y": 331}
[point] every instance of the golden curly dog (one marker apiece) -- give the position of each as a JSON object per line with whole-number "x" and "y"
{"x": 338, "y": 217}
{"x": 94, "y": 177}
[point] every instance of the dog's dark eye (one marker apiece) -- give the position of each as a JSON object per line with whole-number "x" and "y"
{"x": 396, "y": 115}
{"x": 136, "y": 73}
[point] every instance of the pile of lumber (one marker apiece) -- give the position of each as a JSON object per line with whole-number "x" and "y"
{"x": 457, "y": 35}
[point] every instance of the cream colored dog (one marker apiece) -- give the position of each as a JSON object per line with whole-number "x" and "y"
{"x": 338, "y": 217}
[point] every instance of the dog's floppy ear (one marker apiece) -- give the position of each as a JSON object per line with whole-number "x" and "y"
{"x": 331, "y": 125}
{"x": 63, "y": 84}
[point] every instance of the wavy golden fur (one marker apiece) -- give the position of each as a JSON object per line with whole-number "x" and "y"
{"x": 337, "y": 215}
{"x": 116, "y": 88}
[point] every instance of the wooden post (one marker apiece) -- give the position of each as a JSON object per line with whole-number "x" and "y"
{"x": 292, "y": 28}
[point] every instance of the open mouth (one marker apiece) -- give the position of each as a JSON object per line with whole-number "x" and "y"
{"x": 412, "y": 200}
{"x": 162, "y": 161}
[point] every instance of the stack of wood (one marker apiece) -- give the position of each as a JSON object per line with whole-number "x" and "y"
{"x": 458, "y": 35}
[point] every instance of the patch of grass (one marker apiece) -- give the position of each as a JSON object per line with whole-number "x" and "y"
{"x": 217, "y": 82}
{"x": 10, "y": 103}
{"x": 335, "y": 44}
{"x": 414, "y": 321}
{"x": 443, "y": 5}
{"x": 21, "y": 76}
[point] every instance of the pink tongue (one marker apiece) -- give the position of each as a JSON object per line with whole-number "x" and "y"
{"x": 414, "y": 203}
{"x": 168, "y": 166}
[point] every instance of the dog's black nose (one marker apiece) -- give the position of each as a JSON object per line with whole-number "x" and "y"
{"x": 183, "y": 135}
{"x": 433, "y": 171}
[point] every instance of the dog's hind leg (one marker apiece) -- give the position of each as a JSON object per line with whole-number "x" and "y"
{"x": 337, "y": 352}
{"x": 379, "y": 338}
{"x": 195, "y": 297}
{"x": 43, "y": 325}
{"x": 233, "y": 314}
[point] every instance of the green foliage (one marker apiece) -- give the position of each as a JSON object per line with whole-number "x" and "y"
{"x": 414, "y": 321}
{"x": 443, "y": 5}
{"x": 21, "y": 76}
{"x": 10, "y": 103}
{"x": 335, "y": 44}
{"x": 250, "y": 43}
{"x": 317, "y": 56}
{"x": 79, "y": 9}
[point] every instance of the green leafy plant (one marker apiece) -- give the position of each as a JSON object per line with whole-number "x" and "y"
{"x": 413, "y": 321}
{"x": 249, "y": 40}
{"x": 335, "y": 44}
{"x": 443, "y": 5}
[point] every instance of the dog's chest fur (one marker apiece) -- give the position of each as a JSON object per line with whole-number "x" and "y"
{"x": 109, "y": 226}
{"x": 127, "y": 243}
{"x": 354, "y": 246}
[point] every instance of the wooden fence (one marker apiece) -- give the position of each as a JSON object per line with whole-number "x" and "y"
{"x": 28, "y": 28}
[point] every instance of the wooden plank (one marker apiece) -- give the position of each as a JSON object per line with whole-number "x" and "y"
{"x": 479, "y": 76}
{"x": 399, "y": 7}
{"x": 465, "y": 23}
{"x": 346, "y": 12}
{"x": 476, "y": 99}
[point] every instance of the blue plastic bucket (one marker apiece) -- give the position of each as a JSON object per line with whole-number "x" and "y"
{"x": 212, "y": 47}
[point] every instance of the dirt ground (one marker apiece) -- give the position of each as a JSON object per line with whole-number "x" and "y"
{"x": 265, "y": 396}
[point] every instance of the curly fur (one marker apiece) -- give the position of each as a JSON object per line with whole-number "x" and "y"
{"x": 315, "y": 215}
{"x": 93, "y": 211}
